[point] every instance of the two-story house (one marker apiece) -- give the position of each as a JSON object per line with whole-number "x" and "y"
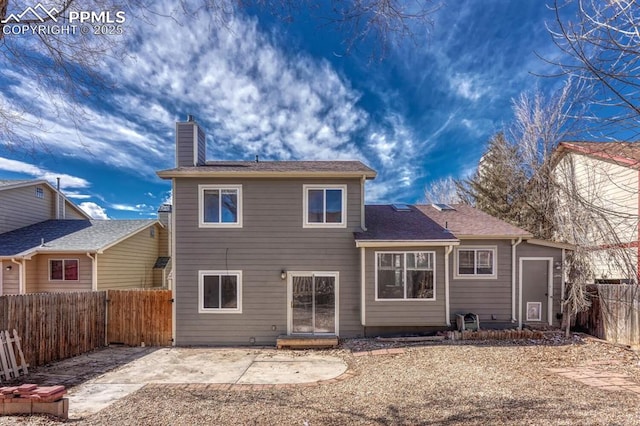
{"x": 269, "y": 248}
{"x": 48, "y": 244}
{"x": 599, "y": 197}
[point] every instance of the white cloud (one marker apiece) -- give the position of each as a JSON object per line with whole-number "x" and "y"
{"x": 94, "y": 210}
{"x": 76, "y": 195}
{"x": 66, "y": 181}
{"x": 250, "y": 94}
{"x": 467, "y": 86}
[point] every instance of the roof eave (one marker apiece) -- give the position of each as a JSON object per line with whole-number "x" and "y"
{"x": 492, "y": 236}
{"x": 554, "y": 244}
{"x": 405, "y": 243}
{"x": 170, "y": 174}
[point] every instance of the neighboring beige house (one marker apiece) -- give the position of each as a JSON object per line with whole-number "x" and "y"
{"x": 81, "y": 255}
{"x": 605, "y": 177}
{"x": 25, "y": 202}
{"x": 48, "y": 244}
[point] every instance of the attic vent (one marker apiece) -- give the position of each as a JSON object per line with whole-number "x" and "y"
{"x": 443, "y": 207}
{"x": 400, "y": 207}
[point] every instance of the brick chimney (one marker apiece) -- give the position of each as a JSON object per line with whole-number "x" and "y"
{"x": 191, "y": 144}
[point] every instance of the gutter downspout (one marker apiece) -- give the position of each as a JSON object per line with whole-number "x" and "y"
{"x": 514, "y": 244}
{"x": 362, "y": 218}
{"x": 58, "y": 199}
{"x": 94, "y": 271}
{"x": 562, "y": 281}
{"x": 363, "y": 299}
{"x": 21, "y": 284}
{"x": 447, "y": 308}
{"x": 174, "y": 270}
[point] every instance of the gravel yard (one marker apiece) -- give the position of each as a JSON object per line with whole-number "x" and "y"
{"x": 436, "y": 383}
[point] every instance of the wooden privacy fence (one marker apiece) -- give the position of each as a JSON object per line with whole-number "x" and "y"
{"x": 55, "y": 326}
{"x": 137, "y": 317}
{"x": 614, "y": 314}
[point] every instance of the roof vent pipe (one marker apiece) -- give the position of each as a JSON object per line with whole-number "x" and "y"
{"x": 58, "y": 199}
{"x": 257, "y": 159}
{"x": 190, "y": 118}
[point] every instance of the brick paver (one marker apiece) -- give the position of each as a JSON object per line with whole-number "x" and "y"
{"x": 590, "y": 375}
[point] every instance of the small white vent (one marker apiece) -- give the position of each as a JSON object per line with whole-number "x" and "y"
{"x": 443, "y": 207}
{"x": 401, "y": 207}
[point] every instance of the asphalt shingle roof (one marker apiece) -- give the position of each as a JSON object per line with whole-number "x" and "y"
{"x": 466, "y": 221}
{"x": 68, "y": 235}
{"x": 301, "y": 167}
{"x": 385, "y": 223}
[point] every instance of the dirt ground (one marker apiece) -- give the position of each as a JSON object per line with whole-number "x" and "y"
{"x": 481, "y": 383}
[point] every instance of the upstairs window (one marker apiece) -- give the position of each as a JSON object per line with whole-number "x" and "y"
{"x": 405, "y": 276}
{"x": 325, "y": 206}
{"x": 63, "y": 270}
{"x": 476, "y": 262}
{"x": 220, "y": 206}
{"x": 39, "y": 192}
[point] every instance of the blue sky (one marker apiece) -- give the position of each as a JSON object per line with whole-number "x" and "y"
{"x": 288, "y": 91}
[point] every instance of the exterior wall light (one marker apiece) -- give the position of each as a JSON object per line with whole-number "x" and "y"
{"x": 8, "y": 268}
{"x": 283, "y": 274}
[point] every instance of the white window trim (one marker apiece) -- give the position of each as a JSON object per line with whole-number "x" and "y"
{"x": 290, "y": 275}
{"x": 305, "y": 206}
{"x": 202, "y": 309}
{"x": 63, "y": 260}
{"x": 202, "y": 223}
{"x": 539, "y": 318}
{"x": 433, "y": 253}
{"x": 475, "y": 276}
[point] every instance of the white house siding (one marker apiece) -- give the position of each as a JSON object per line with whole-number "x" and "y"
{"x": 20, "y": 207}
{"x": 612, "y": 188}
{"x": 129, "y": 264}
{"x": 272, "y": 239}
{"x": 414, "y": 312}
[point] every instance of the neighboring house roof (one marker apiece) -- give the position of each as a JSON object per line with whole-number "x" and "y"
{"x": 622, "y": 153}
{"x": 467, "y": 222}
{"x": 68, "y": 235}
{"x": 6, "y": 184}
{"x": 273, "y": 169}
{"x": 12, "y": 183}
{"x": 385, "y": 223}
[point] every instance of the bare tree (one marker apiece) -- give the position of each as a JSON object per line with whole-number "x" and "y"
{"x": 600, "y": 45}
{"x": 442, "y": 191}
{"x": 68, "y": 69}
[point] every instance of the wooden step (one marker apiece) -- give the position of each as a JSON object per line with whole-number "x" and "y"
{"x": 306, "y": 342}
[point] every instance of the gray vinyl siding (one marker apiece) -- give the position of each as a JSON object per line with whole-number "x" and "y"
{"x": 129, "y": 264}
{"x": 184, "y": 139}
{"x": 272, "y": 239}
{"x": 483, "y": 296}
{"x": 202, "y": 146}
{"x": 404, "y": 312}
{"x": 20, "y": 207}
{"x": 185, "y": 145}
{"x": 531, "y": 250}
